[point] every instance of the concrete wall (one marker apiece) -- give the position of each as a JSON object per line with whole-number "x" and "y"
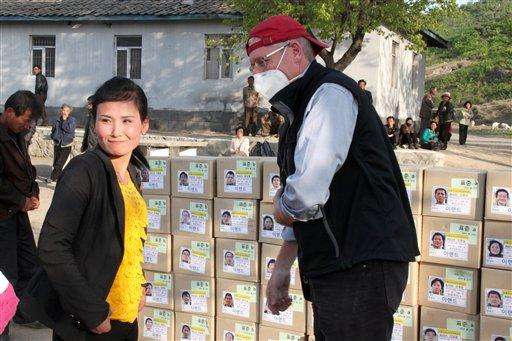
{"x": 172, "y": 70}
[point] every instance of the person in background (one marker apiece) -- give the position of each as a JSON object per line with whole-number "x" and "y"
{"x": 429, "y": 138}
{"x": 391, "y": 130}
{"x": 408, "y": 135}
{"x": 41, "y": 90}
{"x": 239, "y": 144}
{"x": 446, "y": 114}
{"x": 90, "y": 139}
{"x": 362, "y": 84}
{"x": 427, "y": 106}
{"x": 19, "y": 192}
{"x": 63, "y": 134}
{"x": 92, "y": 237}
{"x": 270, "y": 123}
{"x": 251, "y": 101}
{"x": 467, "y": 115}
{"x": 8, "y": 303}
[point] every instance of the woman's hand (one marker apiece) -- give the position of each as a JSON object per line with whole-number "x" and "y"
{"x": 103, "y": 328}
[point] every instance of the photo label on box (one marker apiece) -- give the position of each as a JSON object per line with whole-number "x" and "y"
{"x": 236, "y": 303}
{"x": 152, "y": 247}
{"x": 192, "y": 181}
{"x": 238, "y": 261}
{"x": 450, "y": 245}
{"x": 194, "y": 219}
{"x": 270, "y": 227}
{"x": 284, "y": 317}
{"x": 157, "y": 208}
{"x": 498, "y": 302}
{"x": 466, "y": 328}
{"x": 243, "y": 332}
{"x": 501, "y": 203}
{"x": 154, "y": 178}
{"x": 240, "y": 180}
{"x": 498, "y": 252}
{"x": 447, "y": 291}
{"x": 440, "y": 334}
{"x": 157, "y": 292}
{"x": 270, "y": 262}
{"x": 411, "y": 182}
{"x": 194, "y": 258}
{"x": 194, "y": 301}
{"x": 274, "y": 184}
{"x": 450, "y": 200}
{"x": 155, "y": 327}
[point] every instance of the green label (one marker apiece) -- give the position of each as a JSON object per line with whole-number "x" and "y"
{"x": 297, "y": 302}
{"x": 158, "y": 204}
{"x": 199, "y": 169}
{"x": 200, "y": 325}
{"x": 248, "y": 291}
{"x": 160, "y": 243}
{"x": 244, "y": 331}
{"x": 201, "y": 249}
{"x": 158, "y": 166}
{"x": 163, "y": 280}
{"x": 404, "y": 316}
{"x": 410, "y": 180}
{"x": 466, "y": 328}
{"x": 199, "y": 209}
{"x": 246, "y": 208}
{"x": 163, "y": 316}
{"x": 461, "y": 275}
{"x": 200, "y": 287}
{"x": 469, "y": 230}
{"x": 245, "y": 250}
{"x": 466, "y": 187}
{"x": 286, "y": 336}
{"x": 245, "y": 167}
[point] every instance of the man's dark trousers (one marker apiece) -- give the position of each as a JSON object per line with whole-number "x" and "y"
{"x": 18, "y": 255}
{"x": 463, "y": 133}
{"x": 60, "y": 156}
{"x": 358, "y": 303}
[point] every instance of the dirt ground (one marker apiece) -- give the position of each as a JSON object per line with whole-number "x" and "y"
{"x": 479, "y": 152}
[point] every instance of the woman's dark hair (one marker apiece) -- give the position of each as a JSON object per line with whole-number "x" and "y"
{"x": 272, "y": 261}
{"x": 121, "y": 89}
{"x": 23, "y": 100}
{"x": 226, "y": 213}
{"x": 182, "y": 252}
{"x": 238, "y": 128}
{"x": 429, "y": 330}
{"x": 494, "y": 292}
{"x": 230, "y": 173}
{"x": 389, "y": 117}
{"x": 185, "y": 293}
{"x": 148, "y": 319}
{"x": 276, "y": 176}
{"x": 228, "y": 295}
{"x": 185, "y": 326}
{"x": 464, "y": 105}
{"x": 495, "y": 242}
{"x": 438, "y": 234}
{"x": 439, "y": 281}
{"x": 228, "y": 253}
{"x": 409, "y": 118}
{"x": 441, "y": 189}
{"x": 433, "y": 122}
{"x": 501, "y": 190}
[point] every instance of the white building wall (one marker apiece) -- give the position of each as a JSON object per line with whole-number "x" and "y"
{"x": 173, "y": 66}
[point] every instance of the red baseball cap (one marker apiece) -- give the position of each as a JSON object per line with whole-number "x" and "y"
{"x": 277, "y": 29}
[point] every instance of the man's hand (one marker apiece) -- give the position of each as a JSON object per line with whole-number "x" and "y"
{"x": 30, "y": 204}
{"x": 280, "y": 216}
{"x": 277, "y": 291}
{"x": 35, "y": 202}
{"x": 142, "y": 302}
{"x": 103, "y": 328}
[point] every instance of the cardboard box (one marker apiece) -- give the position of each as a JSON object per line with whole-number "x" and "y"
{"x": 271, "y": 180}
{"x": 452, "y": 241}
{"x": 230, "y": 330}
{"x": 157, "y": 179}
{"x": 406, "y": 323}
{"x": 238, "y": 300}
{"x": 269, "y": 253}
{"x": 269, "y": 229}
{"x": 410, "y": 295}
{"x": 194, "y": 327}
{"x": 159, "y": 290}
{"x": 193, "y": 177}
{"x": 455, "y": 193}
{"x": 156, "y": 324}
{"x": 496, "y": 293}
{"x": 448, "y": 325}
{"x": 237, "y": 259}
{"x": 158, "y": 253}
{"x": 310, "y": 320}
{"x": 413, "y": 179}
{"x": 235, "y": 218}
{"x": 497, "y": 245}
{"x": 272, "y": 334}
{"x": 492, "y": 328}
{"x": 194, "y": 256}
{"x": 498, "y": 201}
{"x": 239, "y": 178}
{"x": 418, "y": 224}
{"x": 194, "y": 294}
{"x": 192, "y": 217}
{"x": 294, "y": 318}
{"x": 450, "y": 288}
{"x": 159, "y": 213}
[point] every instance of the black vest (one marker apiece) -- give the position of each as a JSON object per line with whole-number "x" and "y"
{"x": 367, "y": 216}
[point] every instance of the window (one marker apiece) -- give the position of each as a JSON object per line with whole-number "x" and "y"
{"x": 43, "y": 54}
{"x": 415, "y": 70}
{"x": 129, "y": 56}
{"x": 394, "y": 61}
{"x": 218, "y": 63}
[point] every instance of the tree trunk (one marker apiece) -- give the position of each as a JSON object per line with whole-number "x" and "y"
{"x": 349, "y": 56}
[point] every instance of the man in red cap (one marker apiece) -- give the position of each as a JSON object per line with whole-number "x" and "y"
{"x": 343, "y": 198}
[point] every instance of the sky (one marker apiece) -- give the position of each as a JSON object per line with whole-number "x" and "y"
{"x": 462, "y": 2}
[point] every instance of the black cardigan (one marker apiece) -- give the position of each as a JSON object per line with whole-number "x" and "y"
{"x": 81, "y": 242}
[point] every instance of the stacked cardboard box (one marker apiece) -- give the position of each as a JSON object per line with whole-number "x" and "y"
{"x": 496, "y": 286}
{"x": 451, "y": 244}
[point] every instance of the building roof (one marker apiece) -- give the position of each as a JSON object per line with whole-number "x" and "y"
{"x": 432, "y": 39}
{"x": 24, "y": 10}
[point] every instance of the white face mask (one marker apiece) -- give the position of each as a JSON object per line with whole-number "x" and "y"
{"x": 268, "y": 83}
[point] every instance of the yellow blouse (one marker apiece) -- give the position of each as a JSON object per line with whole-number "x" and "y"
{"x": 125, "y": 293}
